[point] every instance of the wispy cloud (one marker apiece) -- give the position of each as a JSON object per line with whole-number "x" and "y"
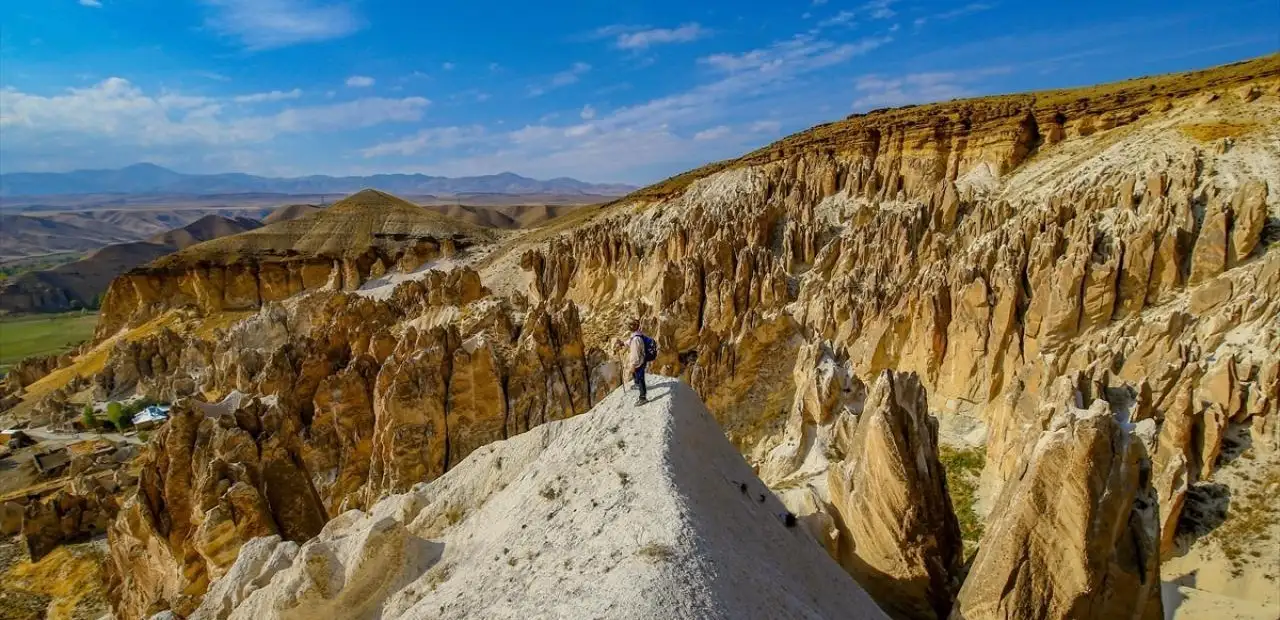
{"x": 212, "y": 75}
{"x": 448, "y": 66}
{"x": 973, "y": 7}
{"x": 771, "y": 127}
{"x": 91, "y": 3}
{"x": 800, "y": 52}
{"x": 564, "y": 78}
{"x": 880, "y": 9}
{"x": 657, "y": 36}
{"x": 689, "y": 126}
{"x": 118, "y": 110}
{"x": 275, "y": 95}
{"x": 714, "y": 133}
{"x": 436, "y": 137}
{"x": 268, "y": 24}
{"x": 587, "y": 112}
{"x": 639, "y": 38}
{"x": 875, "y": 91}
{"x": 360, "y": 81}
{"x": 839, "y": 19}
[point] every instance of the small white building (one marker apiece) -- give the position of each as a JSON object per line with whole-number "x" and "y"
{"x": 151, "y": 417}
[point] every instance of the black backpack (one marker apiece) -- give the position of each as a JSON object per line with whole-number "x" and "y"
{"x": 650, "y": 348}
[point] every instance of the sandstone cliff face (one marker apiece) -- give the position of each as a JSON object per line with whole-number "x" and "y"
{"x": 993, "y": 248}
{"x": 1075, "y": 534}
{"x": 357, "y": 239}
{"x": 899, "y": 535}
{"x": 70, "y": 515}
{"x": 347, "y": 413}
{"x": 621, "y": 512}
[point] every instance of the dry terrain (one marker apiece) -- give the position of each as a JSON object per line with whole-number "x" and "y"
{"x": 1011, "y": 357}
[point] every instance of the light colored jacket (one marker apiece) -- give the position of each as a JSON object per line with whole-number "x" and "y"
{"x": 635, "y": 354}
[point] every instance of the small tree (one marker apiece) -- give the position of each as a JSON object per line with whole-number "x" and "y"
{"x": 86, "y": 418}
{"x": 115, "y": 413}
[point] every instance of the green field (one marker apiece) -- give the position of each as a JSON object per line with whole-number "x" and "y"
{"x": 42, "y": 334}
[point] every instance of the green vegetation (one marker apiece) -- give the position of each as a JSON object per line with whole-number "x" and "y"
{"x": 121, "y": 414}
{"x": 963, "y": 466}
{"x": 87, "y": 419}
{"x": 44, "y": 334}
{"x": 116, "y": 415}
{"x": 14, "y": 268}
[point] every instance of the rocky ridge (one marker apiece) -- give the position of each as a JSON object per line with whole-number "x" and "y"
{"x": 1088, "y": 276}
{"x": 625, "y": 511}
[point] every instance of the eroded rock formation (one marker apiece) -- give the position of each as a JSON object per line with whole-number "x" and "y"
{"x": 992, "y": 248}
{"x": 1075, "y": 534}
{"x": 898, "y": 533}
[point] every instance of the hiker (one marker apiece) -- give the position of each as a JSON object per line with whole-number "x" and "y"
{"x": 641, "y": 350}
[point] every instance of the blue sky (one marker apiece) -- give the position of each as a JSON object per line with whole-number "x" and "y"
{"x": 600, "y": 90}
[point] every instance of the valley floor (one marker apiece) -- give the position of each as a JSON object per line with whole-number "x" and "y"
{"x": 35, "y": 335}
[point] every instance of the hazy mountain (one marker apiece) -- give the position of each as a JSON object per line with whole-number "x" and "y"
{"x": 150, "y": 178}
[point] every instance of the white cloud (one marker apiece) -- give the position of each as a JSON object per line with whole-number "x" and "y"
{"x": 588, "y": 112}
{"x": 115, "y": 121}
{"x": 448, "y": 66}
{"x": 714, "y": 133}
{"x": 839, "y": 19}
{"x": 268, "y": 24}
{"x": 766, "y": 127}
{"x": 174, "y": 101}
{"x": 346, "y": 115}
{"x": 973, "y": 7}
{"x": 564, "y": 78}
{"x": 275, "y": 95}
{"x": 801, "y": 52}
{"x": 880, "y": 9}
{"x": 642, "y": 39}
{"x": 570, "y": 75}
{"x": 665, "y": 134}
{"x": 91, "y": 3}
{"x": 876, "y": 91}
{"x": 437, "y": 137}
{"x": 211, "y": 75}
{"x": 360, "y": 81}
{"x": 577, "y": 131}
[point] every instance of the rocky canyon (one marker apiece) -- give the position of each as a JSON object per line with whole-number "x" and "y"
{"x": 1013, "y": 357}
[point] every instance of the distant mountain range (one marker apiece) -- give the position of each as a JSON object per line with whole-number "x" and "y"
{"x": 150, "y": 178}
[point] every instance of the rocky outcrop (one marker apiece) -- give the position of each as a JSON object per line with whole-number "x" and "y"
{"x": 347, "y": 414}
{"x": 632, "y": 511}
{"x": 1075, "y": 535}
{"x": 32, "y": 369}
{"x": 1134, "y": 265}
{"x": 357, "y": 239}
{"x": 69, "y": 515}
{"x": 208, "y": 483}
{"x": 898, "y": 534}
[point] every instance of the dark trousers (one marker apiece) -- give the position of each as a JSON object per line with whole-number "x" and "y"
{"x": 638, "y": 375}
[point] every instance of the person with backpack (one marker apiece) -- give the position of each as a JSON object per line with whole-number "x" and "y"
{"x": 641, "y": 350}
